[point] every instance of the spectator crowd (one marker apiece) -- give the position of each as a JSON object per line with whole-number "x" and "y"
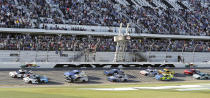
{"x": 32, "y": 13}
{"x": 101, "y": 44}
{"x": 193, "y": 21}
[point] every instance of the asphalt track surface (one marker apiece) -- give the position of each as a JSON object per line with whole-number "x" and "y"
{"x": 95, "y": 76}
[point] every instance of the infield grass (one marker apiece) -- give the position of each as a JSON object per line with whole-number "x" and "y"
{"x": 78, "y": 91}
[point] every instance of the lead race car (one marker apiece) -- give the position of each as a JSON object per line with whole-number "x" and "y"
{"x": 20, "y": 73}
{"x": 29, "y": 66}
{"x": 75, "y": 76}
{"x": 190, "y": 65}
{"x": 35, "y": 79}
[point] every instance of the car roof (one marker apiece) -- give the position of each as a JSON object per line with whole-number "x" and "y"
{"x": 74, "y": 71}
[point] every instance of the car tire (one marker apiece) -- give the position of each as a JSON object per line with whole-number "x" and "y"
{"x": 125, "y": 80}
{"x": 15, "y": 76}
{"x": 29, "y": 82}
{"x": 68, "y": 81}
{"x": 42, "y": 82}
{"x": 72, "y": 81}
{"x": 155, "y": 74}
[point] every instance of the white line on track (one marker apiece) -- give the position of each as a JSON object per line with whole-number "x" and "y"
{"x": 178, "y": 88}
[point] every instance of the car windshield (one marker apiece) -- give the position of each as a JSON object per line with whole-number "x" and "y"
{"x": 32, "y": 77}
{"x": 21, "y": 72}
{"x": 204, "y": 74}
{"x": 76, "y": 72}
{"x": 196, "y": 71}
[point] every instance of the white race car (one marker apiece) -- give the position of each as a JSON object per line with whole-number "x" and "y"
{"x": 75, "y": 76}
{"x": 149, "y": 72}
{"x": 35, "y": 79}
{"x": 20, "y": 73}
{"x": 201, "y": 76}
{"x": 118, "y": 78}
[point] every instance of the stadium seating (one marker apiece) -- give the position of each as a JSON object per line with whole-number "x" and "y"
{"x": 174, "y": 17}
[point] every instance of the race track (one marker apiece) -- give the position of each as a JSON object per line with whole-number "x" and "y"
{"x": 96, "y": 76}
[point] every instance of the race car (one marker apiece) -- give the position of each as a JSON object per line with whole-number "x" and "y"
{"x": 166, "y": 71}
{"x": 201, "y": 76}
{"x": 112, "y": 72}
{"x": 190, "y": 65}
{"x": 29, "y": 66}
{"x": 75, "y": 76}
{"x": 191, "y": 71}
{"x": 35, "y": 79}
{"x": 118, "y": 78}
{"x": 20, "y": 73}
{"x": 164, "y": 77}
{"x": 149, "y": 72}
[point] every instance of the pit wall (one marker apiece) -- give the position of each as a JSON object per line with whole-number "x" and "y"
{"x": 51, "y": 56}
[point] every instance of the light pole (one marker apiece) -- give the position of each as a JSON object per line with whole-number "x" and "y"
{"x": 150, "y": 49}
{"x": 167, "y": 50}
{"x": 37, "y": 45}
{"x": 194, "y": 52}
{"x": 18, "y": 60}
{"x": 74, "y": 46}
{"x": 59, "y": 46}
{"x": 48, "y": 46}
{"x": 183, "y": 53}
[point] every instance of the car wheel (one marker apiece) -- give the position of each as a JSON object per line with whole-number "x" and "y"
{"x": 68, "y": 81}
{"x": 42, "y": 82}
{"x": 125, "y": 80}
{"x": 72, "y": 81}
{"x": 206, "y": 78}
{"x": 29, "y": 82}
{"x": 155, "y": 74}
{"x": 83, "y": 81}
{"x": 14, "y": 76}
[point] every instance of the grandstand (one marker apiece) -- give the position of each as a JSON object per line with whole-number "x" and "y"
{"x": 83, "y": 30}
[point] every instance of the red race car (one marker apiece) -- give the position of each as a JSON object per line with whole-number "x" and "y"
{"x": 190, "y": 71}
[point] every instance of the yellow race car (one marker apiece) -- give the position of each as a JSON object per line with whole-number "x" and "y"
{"x": 164, "y": 77}
{"x": 166, "y": 71}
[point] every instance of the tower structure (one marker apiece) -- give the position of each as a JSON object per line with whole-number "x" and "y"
{"x": 121, "y": 39}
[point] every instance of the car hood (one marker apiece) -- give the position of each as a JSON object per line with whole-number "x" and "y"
{"x": 13, "y": 72}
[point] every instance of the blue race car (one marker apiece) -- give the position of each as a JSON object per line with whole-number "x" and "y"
{"x": 75, "y": 76}
{"x": 118, "y": 78}
{"x": 112, "y": 72}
